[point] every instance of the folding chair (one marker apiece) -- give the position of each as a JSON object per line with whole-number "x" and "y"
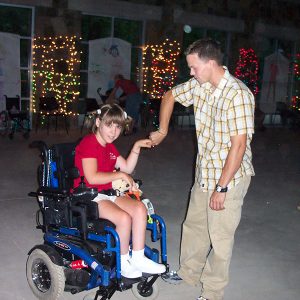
{"x": 49, "y": 108}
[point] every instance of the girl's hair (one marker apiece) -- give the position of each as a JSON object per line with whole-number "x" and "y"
{"x": 108, "y": 113}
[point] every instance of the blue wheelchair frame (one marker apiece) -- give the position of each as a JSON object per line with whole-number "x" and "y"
{"x": 65, "y": 240}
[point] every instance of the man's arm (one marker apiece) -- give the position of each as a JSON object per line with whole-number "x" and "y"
{"x": 166, "y": 109}
{"x": 232, "y": 164}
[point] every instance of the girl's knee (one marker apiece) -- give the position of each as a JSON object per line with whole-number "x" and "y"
{"x": 140, "y": 209}
{"x": 124, "y": 220}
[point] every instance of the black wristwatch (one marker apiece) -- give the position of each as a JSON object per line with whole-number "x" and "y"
{"x": 221, "y": 189}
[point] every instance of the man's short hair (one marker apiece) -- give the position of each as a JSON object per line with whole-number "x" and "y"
{"x": 207, "y": 49}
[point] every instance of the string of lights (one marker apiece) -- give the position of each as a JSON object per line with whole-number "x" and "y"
{"x": 159, "y": 67}
{"x": 247, "y": 69}
{"x": 55, "y": 71}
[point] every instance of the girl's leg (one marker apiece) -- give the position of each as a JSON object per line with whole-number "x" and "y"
{"x": 123, "y": 221}
{"x": 137, "y": 211}
{"x": 138, "y": 214}
{"x": 112, "y": 212}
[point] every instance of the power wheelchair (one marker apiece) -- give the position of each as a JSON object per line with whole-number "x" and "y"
{"x": 80, "y": 252}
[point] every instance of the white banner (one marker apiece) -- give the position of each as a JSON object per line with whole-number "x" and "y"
{"x": 275, "y": 82}
{"x": 10, "y": 77}
{"x": 107, "y": 57}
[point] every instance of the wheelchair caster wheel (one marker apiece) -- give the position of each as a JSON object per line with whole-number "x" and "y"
{"x": 45, "y": 279}
{"x": 150, "y": 293}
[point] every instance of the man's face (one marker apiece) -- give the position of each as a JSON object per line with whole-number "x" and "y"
{"x": 199, "y": 68}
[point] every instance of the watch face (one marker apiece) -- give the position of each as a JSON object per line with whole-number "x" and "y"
{"x": 221, "y": 189}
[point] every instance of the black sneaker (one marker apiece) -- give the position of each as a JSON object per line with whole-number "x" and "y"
{"x": 201, "y": 298}
{"x": 172, "y": 277}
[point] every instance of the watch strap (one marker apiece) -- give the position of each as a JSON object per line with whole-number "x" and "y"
{"x": 221, "y": 189}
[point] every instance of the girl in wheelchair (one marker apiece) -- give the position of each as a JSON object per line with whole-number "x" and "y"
{"x": 96, "y": 157}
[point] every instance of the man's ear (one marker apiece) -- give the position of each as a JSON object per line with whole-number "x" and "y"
{"x": 212, "y": 63}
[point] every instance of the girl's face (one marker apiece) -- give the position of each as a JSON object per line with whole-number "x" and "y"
{"x": 107, "y": 133}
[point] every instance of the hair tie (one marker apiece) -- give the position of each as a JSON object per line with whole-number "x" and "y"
{"x": 125, "y": 114}
{"x": 98, "y": 111}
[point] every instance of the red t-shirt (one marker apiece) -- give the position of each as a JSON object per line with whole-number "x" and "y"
{"x": 127, "y": 86}
{"x": 106, "y": 157}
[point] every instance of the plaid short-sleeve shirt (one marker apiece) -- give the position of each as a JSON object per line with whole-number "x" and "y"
{"x": 219, "y": 114}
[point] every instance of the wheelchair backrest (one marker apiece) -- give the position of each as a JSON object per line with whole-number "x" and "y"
{"x": 57, "y": 170}
{"x": 60, "y": 204}
{"x": 12, "y": 103}
{"x": 62, "y": 165}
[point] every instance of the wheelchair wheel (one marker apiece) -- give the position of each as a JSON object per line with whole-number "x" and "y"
{"x": 150, "y": 294}
{"x": 46, "y": 280}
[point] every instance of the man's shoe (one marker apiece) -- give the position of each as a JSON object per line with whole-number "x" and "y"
{"x": 201, "y": 298}
{"x": 172, "y": 277}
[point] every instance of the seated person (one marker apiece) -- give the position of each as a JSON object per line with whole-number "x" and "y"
{"x": 96, "y": 157}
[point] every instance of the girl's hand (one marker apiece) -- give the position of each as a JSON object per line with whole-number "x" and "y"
{"x": 145, "y": 143}
{"x": 129, "y": 180}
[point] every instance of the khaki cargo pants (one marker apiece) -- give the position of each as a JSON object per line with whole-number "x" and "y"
{"x": 207, "y": 239}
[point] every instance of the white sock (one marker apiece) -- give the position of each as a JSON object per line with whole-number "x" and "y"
{"x": 138, "y": 254}
{"x": 124, "y": 258}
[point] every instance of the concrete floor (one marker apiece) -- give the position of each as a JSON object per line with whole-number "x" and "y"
{"x": 266, "y": 261}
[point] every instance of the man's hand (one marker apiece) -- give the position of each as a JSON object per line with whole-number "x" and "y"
{"x": 217, "y": 201}
{"x": 157, "y": 137}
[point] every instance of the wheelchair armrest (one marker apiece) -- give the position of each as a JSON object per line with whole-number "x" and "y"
{"x": 84, "y": 194}
{"x": 50, "y": 192}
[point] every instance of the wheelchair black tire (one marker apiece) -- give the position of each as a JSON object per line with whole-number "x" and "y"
{"x": 151, "y": 294}
{"x": 50, "y": 283}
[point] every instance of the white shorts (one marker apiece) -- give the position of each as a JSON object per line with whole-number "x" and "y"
{"x": 101, "y": 197}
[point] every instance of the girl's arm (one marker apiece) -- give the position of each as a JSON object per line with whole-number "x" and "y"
{"x": 94, "y": 177}
{"x": 128, "y": 165}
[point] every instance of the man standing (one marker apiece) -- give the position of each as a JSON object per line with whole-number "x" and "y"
{"x": 224, "y": 120}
